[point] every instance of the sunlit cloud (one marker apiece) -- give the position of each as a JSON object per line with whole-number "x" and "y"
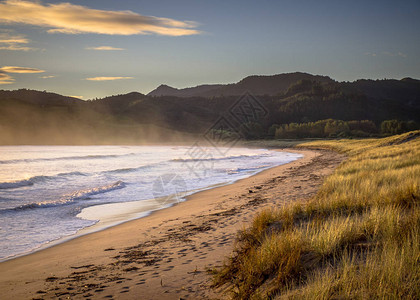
{"x": 12, "y": 69}
{"x": 74, "y": 19}
{"x": 15, "y": 47}
{"x": 47, "y": 77}
{"x": 10, "y": 39}
{"x": 14, "y": 42}
{"x": 78, "y": 97}
{"x": 107, "y": 78}
{"x": 105, "y": 48}
{"x": 6, "y": 79}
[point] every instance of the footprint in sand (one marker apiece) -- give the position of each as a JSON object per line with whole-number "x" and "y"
{"x": 155, "y": 273}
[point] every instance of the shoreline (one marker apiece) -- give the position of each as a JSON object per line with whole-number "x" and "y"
{"x": 133, "y": 210}
{"x": 156, "y": 247}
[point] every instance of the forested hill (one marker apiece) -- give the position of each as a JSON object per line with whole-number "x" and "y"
{"x": 272, "y": 85}
{"x": 297, "y": 105}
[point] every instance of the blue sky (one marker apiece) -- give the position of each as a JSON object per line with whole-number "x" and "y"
{"x": 86, "y": 48}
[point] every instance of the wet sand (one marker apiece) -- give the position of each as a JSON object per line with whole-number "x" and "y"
{"x": 165, "y": 255}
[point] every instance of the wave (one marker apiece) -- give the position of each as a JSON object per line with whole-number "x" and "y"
{"x": 38, "y": 205}
{"x": 23, "y": 182}
{"x": 239, "y": 170}
{"x": 122, "y": 170}
{"x": 15, "y": 184}
{"x": 75, "y": 173}
{"x": 83, "y": 157}
{"x": 84, "y": 194}
{"x": 70, "y": 198}
{"x": 128, "y": 170}
{"x": 220, "y": 158}
{"x": 35, "y": 179}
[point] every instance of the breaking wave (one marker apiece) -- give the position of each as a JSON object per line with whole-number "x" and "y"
{"x": 71, "y": 198}
{"x": 35, "y": 179}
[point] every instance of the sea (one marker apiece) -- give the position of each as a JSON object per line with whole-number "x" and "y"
{"x": 49, "y": 194}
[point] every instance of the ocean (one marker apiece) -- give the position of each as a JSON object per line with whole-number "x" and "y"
{"x": 53, "y": 193}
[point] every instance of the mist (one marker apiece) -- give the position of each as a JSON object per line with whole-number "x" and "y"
{"x": 77, "y": 123}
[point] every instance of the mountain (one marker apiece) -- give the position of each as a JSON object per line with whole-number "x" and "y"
{"x": 298, "y": 103}
{"x": 257, "y": 85}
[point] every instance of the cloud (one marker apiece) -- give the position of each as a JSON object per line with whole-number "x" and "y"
{"x": 104, "y": 48}
{"x": 107, "y": 78}
{"x": 78, "y": 97}
{"x": 12, "y": 69}
{"x": 14, "y": 42}
{"x": 74, "y": 19}
{"x": 370, "y": 54}
{"x": 9, "y": 39}
{"x": 386, "y": 53}
{"x": 16, "y": 48}
{"x": 400, "y": 54}
{"x": 46, "y": 77}
{"x": 6, "y": 79}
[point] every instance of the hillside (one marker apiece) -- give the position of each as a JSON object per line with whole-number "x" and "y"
{"x": 257, "y": 85}
{"x": 298, "y": 105}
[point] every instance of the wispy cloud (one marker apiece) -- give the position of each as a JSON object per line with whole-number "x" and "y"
{"x": 107, "y": 78}
{"x": 47, "y": 77}
{"x": 370, "y": 54}
{"x": 13, "y": 69}
{"x": 73, "y": 19}
{"x": 78, "y": 97}
{"x": 105, "y": 48}
{"x": 6, "y": 79}
{"x": 14, "y": 42}
{"x": 386, "y": 53}
{"x": 400, "y": 54}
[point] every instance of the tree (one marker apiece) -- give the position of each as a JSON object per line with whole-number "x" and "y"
{"x": 391, "y": 127}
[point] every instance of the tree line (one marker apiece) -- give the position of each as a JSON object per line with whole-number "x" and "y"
{"x": 331, "y": 128}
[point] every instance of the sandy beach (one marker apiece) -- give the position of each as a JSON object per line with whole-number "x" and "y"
{"x": 165, "y": 255}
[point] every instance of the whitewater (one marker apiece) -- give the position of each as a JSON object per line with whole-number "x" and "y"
{"x": 49, "y": 193}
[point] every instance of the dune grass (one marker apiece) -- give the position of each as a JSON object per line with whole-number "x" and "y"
{"x": 358, "y": 238}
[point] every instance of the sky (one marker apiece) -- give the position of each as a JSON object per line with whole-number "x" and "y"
{"x": 97, "y": 48}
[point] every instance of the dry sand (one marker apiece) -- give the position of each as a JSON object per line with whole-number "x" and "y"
{"x": 164, "y": 255}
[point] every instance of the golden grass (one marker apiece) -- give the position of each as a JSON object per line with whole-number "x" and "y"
{"x": 358, "y": 238}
